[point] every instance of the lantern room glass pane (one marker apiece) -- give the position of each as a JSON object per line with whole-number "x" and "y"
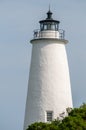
{"x": 52, "y": 27}
{"x": 49, "y": 26}
{"x": 45, "y": 27}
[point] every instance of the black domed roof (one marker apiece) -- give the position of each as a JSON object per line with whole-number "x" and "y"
{"x": 49, "y": 18}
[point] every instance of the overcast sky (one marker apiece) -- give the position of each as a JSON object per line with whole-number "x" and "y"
{"x": 18, "y": 19}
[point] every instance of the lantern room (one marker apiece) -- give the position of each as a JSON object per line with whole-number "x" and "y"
{"x": 49, "y": 23}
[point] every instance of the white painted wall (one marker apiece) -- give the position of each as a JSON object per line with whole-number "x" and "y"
{"x": 49, "y": 82}
{"x": 49, "y": 34}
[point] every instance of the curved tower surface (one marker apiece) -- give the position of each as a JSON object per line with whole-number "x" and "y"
{"x": 49, "y": 90}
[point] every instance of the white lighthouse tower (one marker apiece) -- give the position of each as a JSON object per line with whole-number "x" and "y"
{"x": 49, "y": 90}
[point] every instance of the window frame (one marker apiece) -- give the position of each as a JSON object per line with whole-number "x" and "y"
{"x": 49, "y": 116}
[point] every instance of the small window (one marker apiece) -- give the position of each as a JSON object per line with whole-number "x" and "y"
{"x": 41, "y": 27}
{"x": 45, "y": 27}
{"x": 52, "y": 27}
{"x": 49, "y": 115}
{"x": 49, "y": 26}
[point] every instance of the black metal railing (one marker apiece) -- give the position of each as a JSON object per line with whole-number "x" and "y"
{"x": 38, "y": 34}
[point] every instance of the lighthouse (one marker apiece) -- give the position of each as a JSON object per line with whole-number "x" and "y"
{"x": 49, "y": 89}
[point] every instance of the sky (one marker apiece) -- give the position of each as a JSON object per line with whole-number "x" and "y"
{"x": 18, "y": 19}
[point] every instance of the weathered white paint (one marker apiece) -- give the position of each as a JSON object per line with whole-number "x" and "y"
{"x": 49, "y": 81}
{"x": 49, "y": 34}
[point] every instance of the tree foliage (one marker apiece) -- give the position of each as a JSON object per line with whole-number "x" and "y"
{"x": 76, "y": 120}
